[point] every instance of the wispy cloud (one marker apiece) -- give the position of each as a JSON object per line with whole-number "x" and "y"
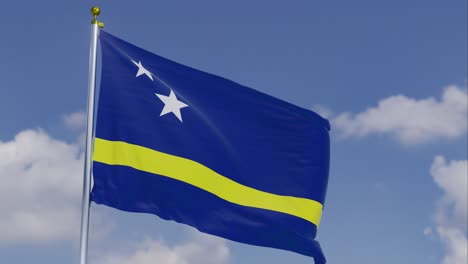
{"x": 323, "y": 111}
{"x": 76, "y": 120}
{"x": 41, "y": 188}
{"x": 202, "y": 249}
{"x": 450, "y": 216}
{"x": 410, "y": 120}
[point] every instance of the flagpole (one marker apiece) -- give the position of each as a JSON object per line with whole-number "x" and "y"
{"x": 89, "y": 136}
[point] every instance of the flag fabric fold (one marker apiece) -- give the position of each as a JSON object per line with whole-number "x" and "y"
{"x": 204, "y": 151}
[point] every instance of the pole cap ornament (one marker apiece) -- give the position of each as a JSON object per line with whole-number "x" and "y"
{"x": 95, "y": 11}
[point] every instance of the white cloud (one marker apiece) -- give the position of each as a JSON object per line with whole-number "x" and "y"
{"x": 323, "y": 111}
{"x": 75, "y": 120}
{"x": 450, "y": 216}
{"x": 202, "y": 249}
{"x": 40, "y": 188}
{"x": 40, "y": 194}
{"x": 456, "y": 245}
{"x": 410, "y": 120}
{"x": 428, "y": 232}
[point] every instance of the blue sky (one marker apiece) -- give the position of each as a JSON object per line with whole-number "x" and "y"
{"x": 390, "y": 75}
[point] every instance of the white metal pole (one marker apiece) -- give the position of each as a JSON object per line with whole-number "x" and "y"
{"x": 89, "y": 138}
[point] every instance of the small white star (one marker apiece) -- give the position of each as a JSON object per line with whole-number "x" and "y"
{"x": 142, "y": 70}
{"x": 171, "y": 105}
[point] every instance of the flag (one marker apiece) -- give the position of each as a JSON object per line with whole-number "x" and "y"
{"x": 204, "y": 151}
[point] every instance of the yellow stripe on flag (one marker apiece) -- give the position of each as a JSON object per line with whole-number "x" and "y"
{"x": 198, "y": 175}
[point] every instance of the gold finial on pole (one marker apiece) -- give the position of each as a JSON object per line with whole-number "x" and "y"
{"x": 95, "y": 11}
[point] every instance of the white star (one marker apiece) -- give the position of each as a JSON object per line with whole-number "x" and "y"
{"x": 171, "y": 105}
{"x": 142, "y": 70}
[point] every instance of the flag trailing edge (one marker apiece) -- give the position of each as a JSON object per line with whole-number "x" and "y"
{"x": 204, "y": 151}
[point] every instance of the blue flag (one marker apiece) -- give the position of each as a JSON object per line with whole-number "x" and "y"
{"x": 204, "y": 151}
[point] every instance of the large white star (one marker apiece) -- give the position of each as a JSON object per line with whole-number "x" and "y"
{"x": 171, "y": 105}
{"x": 142, "y": 70}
